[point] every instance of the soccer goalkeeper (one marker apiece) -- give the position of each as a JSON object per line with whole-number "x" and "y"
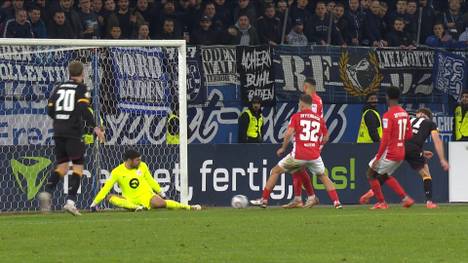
{"x": 139, "y": 189}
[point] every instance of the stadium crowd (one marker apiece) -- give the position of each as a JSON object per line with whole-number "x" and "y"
{"x": 394, "y": 23}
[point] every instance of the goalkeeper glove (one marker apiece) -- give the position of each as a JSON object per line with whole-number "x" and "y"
{"x": 88, "y": 139}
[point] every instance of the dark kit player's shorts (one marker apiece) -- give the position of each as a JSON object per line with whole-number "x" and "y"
{"x": 69, "y": 149}
{"x": 414, "y": 156}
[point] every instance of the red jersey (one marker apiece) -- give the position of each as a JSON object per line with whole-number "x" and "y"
{"x": 317, "y": 105}
{"x": 396, "y": 129}
{"x": 308, "y": 128}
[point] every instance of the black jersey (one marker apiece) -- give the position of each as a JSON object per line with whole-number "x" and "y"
{"x": 422, "y": 129}
{"x": 68, "y": 108}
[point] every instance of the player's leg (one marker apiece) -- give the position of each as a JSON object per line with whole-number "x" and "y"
{"x": 307, "y": 183}
{"x": 372, "y": 178}
{"x": 122, "y": 202}
{"x": 61, "y": 157}
{"x": 75, "y": 151}
{"x": 158, "y": 202}
{"x": 270, "y": 184}
{"x": 427, "y": 181}
{"x": 297, "y": 189}
{"x": 317, "y": 167}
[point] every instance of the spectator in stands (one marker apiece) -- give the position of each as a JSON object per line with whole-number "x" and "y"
{"x": 143, "y": 31}
{"x": 412, "y": 16}
{"x": 223, "y": 12}
{"x": 142, "y": 6}
{"x": 331, "y": 7}
{"x": 398, "y": 37}
{"x": 374, "y": 27}
{"x": 441, "y": 38}
{"x": 356, "y": 21}
{"x": 428, "y": 19}
{"x": 316, "y": 30}
{"x": 168, "y": 31}
{"x": 10, "y": 12}
{"x": 89, "y": 21}
{"x": 245, "y": 7}
{"x": 282, "y": 6}
{"x": 205, "y": 34}
{"x": 108, "y": 10}
{"x": 210, "y": 11}
{"x": 128, "y": 20}
{"x": 19, "y": 27}
{"x": 296, "y": 37}
{"x": 400, "y": 12}
{"x": 453, "y": 19}
{"x": 245, "y": 34}
{"x": 299, "y": 11}
{"x": 384, "y": 16}
{"x": 97, "y": 8}
{"x": 464, "y": 36}
{"x": 343, "y": 24}
{"x": 60, "y": 28}
{"x": 115, "y": 32}
{"x": 168, "y": 12}
{"x": 72, "y": 17}
{"x": 269, "y": 27}
{"x": 365, "y": 5}
{"x": 38, "y": 26}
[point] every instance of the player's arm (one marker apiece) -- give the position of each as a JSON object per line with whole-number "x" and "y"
{"x": 386, "y": 133}
{"x": 324, "y": 131}
{"x": 409, "y": 129}
{"x": 439, "y": 147}
{"x": 152, "y": 182}
{"x": 83, "y": 103}
{"x": 105, "y": 189}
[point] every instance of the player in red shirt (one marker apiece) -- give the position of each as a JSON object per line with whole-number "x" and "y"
{"x": 307, "y": 128}
{"x": 396, "y": 129}
{"x": 302, "y": 178}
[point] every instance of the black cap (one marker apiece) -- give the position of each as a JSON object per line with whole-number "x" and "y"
{"x": 256, "y": 99}
{"x": 205, "y": 18}
{"x": 298, "y": 22}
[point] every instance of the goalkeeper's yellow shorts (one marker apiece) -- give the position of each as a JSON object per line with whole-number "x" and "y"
{"x": 144, "y": 200}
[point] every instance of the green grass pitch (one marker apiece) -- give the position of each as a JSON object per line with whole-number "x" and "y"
{"x": 320, "y": 234}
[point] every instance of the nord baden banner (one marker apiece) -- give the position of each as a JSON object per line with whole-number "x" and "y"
{"x": 216, "y": 173}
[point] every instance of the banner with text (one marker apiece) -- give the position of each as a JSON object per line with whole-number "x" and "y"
{"x": 254, "y": 66}
{"x": 450, "y": 73}
{"x": 219, "y": 65}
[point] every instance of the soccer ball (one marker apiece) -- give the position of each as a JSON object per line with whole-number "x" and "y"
{"x": 239, "y": 201}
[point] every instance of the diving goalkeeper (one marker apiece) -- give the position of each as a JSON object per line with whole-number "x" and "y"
{"x": 139, "y": 189}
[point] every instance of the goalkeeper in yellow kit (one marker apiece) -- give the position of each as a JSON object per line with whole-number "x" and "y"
{"x": 139, "y": 189}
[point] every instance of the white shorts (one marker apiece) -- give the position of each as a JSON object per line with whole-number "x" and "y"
{"x": 385, "y": 166}
{"x": 291, "y": 165}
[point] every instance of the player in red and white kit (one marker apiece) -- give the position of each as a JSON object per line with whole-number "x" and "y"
{"x": 396, "y": 129}
{"x": 307, "y": 128}
{"x": 302, "y": 178}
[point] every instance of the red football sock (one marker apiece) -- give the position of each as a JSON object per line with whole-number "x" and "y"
{"x": 375, "y": 185}
{"x": 297, "y": 184}
{"x": 395, "y": 186}
{"x": 266, "y": 194}
{"x": 333, "y": 195}
{"x": 307, "y": 183}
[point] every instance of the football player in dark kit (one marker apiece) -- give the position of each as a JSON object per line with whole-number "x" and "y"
{"x": 68, "y": 107}
{"x": 423, "y": 127}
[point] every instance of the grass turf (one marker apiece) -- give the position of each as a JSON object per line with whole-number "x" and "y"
{"x": 321, "y": 234}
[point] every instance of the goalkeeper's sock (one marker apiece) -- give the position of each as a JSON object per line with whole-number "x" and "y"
{"x": 52, "y": 181}
{"x": 174, "y": 205}
{"x": 375, "y": 185}
{"x": 122, "y": 202}
{"x": 73, "y": 185}
{"x": 428, "y": 189}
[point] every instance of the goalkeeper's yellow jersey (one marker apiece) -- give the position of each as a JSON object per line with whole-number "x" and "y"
{"x": 134, "y": 183}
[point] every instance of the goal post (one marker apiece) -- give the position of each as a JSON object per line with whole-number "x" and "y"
{"x": 137, "y": 118}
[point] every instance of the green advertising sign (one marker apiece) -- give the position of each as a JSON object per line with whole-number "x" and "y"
{"x": 30, "y": 173}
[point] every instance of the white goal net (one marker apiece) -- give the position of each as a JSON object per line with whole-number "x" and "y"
{"x": 137, "y": 86}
